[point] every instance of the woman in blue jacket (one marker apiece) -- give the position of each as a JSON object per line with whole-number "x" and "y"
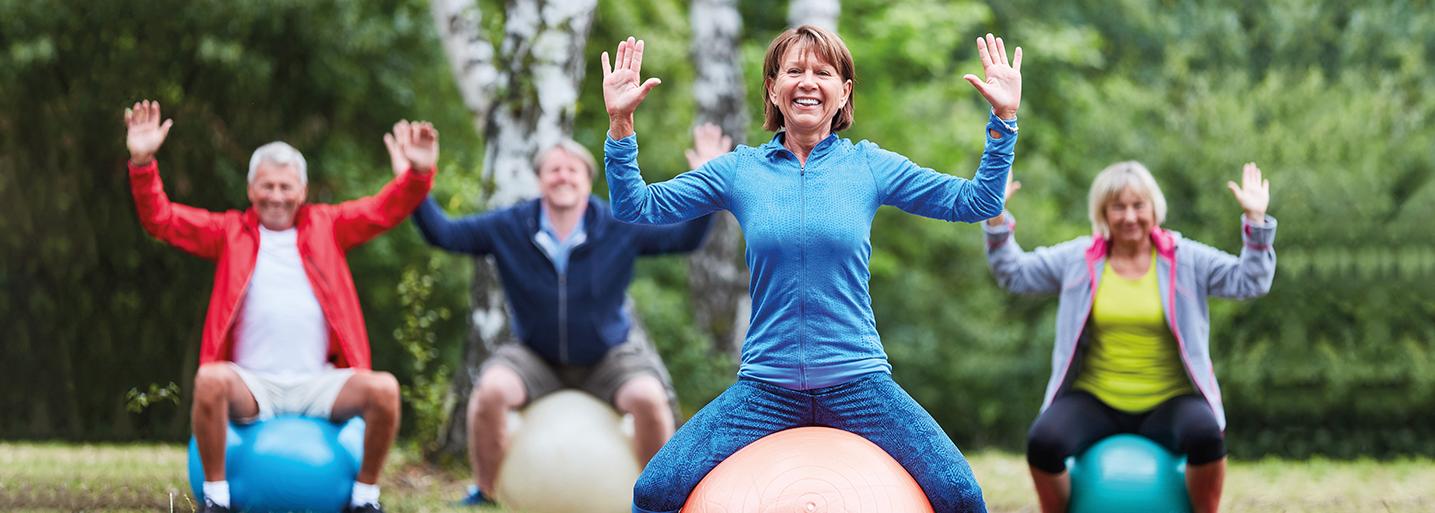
{"x": 805, "y": 201}
{"x": 1132, "y": 351}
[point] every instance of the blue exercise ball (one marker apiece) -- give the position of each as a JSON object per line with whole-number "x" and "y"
{"x": 1128, "y": 474}
{"x": 287, "y": 463}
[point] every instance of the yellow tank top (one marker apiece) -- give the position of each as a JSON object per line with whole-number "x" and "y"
{"x": 1132, "y": 363}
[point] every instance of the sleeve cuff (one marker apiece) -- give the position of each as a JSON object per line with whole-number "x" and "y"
{"x": 1258, "y": 236}
{"x": 1005, "y": 126}
{"x": 620, "y": 148}
{"x": 151, "y": 166}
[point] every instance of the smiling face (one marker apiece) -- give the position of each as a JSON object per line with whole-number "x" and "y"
{"x": 808, "y": 91}
{"x": 808, "y": 82}
{"x": 1130, "y": 216}
{"x": 564, "y": 180}
{"x": 276, "y": 194}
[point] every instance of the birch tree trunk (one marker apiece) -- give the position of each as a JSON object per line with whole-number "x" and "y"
{"x": 522, "y": 99}
{"x": 822, "y": 13}
{"x": 717, "y": 276}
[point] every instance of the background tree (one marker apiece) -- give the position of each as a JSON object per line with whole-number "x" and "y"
{"x": 718, "y": 275}
{"x": 522, "y": 99}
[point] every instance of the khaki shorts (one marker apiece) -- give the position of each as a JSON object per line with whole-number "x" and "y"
{"x": 623, "y": 362}
{"x": 310, "y": 395}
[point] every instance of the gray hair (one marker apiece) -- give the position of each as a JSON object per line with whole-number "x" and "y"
{"x": 280, "y": 154}
{"x": 1116, "y": 178}
{"x": 570, "y": 147}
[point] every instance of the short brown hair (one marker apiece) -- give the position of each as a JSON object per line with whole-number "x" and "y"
{"x": 828, "y": 47}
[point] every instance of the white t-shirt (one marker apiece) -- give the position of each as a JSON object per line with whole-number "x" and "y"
{"x": 281, "y": 328}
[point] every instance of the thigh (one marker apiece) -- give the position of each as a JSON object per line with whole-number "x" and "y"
{"x": 877, "y": 409}
{"x": 743, "y": 413}
{"x": 625, "y": 362}
{"x": 250, "y": 396}
{"x": 539, "y": 378}
{"x": 1075, "y": 421}
{"x": 1186, "y": 425}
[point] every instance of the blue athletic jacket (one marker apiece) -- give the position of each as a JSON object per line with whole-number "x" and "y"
{"x": 574, "y": 317}
{"x": 808, "y": 230}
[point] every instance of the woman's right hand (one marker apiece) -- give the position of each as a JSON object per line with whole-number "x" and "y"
{"x": 1011, "y": 188}
{"x": 622, "y": 90}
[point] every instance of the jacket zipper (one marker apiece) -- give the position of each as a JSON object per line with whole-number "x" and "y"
{"x": 802, "y": 274}
{"x": 563, "y": 301}
{"x": 226, "y": 349}
{"x": 563, "y": 315}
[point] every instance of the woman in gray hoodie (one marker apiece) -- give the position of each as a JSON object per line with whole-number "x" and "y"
{"x": 1132, "y": 351}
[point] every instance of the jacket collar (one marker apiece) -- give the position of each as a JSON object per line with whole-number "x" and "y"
{"x": 1163, "y": 239}
{"x": 775, "y": 147}
{"x": 594, "y": 218}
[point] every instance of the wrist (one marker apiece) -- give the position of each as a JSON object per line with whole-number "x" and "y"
{"x": 1005, "y": 114}
{"x": 999, "y": 220}
{"x": 138, "y": 160}
{"x": 620, "y": 126}
{"x": 1256, "y": 218}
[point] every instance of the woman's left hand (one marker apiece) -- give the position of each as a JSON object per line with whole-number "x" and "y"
{"x": 1002, "y": 87}
{"x": 1254, "y": 194}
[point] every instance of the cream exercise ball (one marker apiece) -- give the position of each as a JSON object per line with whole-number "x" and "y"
{"x": 568, "y": 453}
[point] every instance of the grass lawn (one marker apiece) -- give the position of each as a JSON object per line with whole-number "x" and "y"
{"x": 48, "y": 477}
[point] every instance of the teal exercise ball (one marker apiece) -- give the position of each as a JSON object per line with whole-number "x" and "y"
{"x": 1128, "y": 474}
{"x": 287, "y": 463}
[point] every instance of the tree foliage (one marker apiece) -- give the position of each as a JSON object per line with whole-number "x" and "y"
{"x": 1331, "y": 99}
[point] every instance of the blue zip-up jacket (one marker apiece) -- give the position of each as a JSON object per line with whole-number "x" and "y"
{"x": 808, "y": 230}
{"x": 573, "y": 317}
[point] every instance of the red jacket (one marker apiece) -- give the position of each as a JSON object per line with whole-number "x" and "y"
{"x": 231, "y": 239}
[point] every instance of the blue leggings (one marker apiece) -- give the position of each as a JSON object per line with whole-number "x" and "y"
{"x": 872, "y": 406}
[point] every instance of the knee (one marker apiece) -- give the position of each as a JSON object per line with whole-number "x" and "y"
{"x": 211, "y": 382}
{"x": 1203, "y": 444}
{"x": 644, "y": 397}
{"x": 1046, "y": 450}
{"x": 383, "y": 390}
{"x": 651, "y": 494}
{"x": 492, "y": 397}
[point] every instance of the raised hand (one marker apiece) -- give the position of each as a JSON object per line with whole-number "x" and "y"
{"x": 145, "y": 134}
{"x": 1254, "y": 193}
{"x": 422, "y": 146}
{"x": 397, "y": 160}
{"x": 1002, "y": 86}
{"x": 622, "y": 89}
{"x": 412, "y": 145}
{"x": 708, "y": 143}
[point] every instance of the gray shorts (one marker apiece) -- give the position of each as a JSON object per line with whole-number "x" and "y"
{"x": 623, "y": 362}
{"x": 310, "y": 395}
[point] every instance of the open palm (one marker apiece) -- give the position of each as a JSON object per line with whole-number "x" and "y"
{"x": 1254, "y": 193}
{"x": 708, "y": 143}
{"x": 622, "y": 90}
{"x": 144, "y": 132}
{"x": 1002, "y": 85}
{"x": 412, "y": 146}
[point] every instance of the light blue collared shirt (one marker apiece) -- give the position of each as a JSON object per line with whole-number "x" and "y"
{"x": 557, "y": 249}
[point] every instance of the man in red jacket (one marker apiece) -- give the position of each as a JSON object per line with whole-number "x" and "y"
{"x": 284, "y": 333}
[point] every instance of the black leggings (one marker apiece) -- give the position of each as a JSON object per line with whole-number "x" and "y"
{"x": 1076, "y": 420}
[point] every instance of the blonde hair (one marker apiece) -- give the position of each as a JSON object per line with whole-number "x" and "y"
{"x": 1109, "y": 184}
{"x": 828, "y": 47}
{"x": 570, "y": 147}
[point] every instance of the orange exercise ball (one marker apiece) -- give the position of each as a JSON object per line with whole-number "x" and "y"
{"x": 809, "y": 470}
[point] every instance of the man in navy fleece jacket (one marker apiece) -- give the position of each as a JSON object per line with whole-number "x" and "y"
{"x": 565, "y": 264}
